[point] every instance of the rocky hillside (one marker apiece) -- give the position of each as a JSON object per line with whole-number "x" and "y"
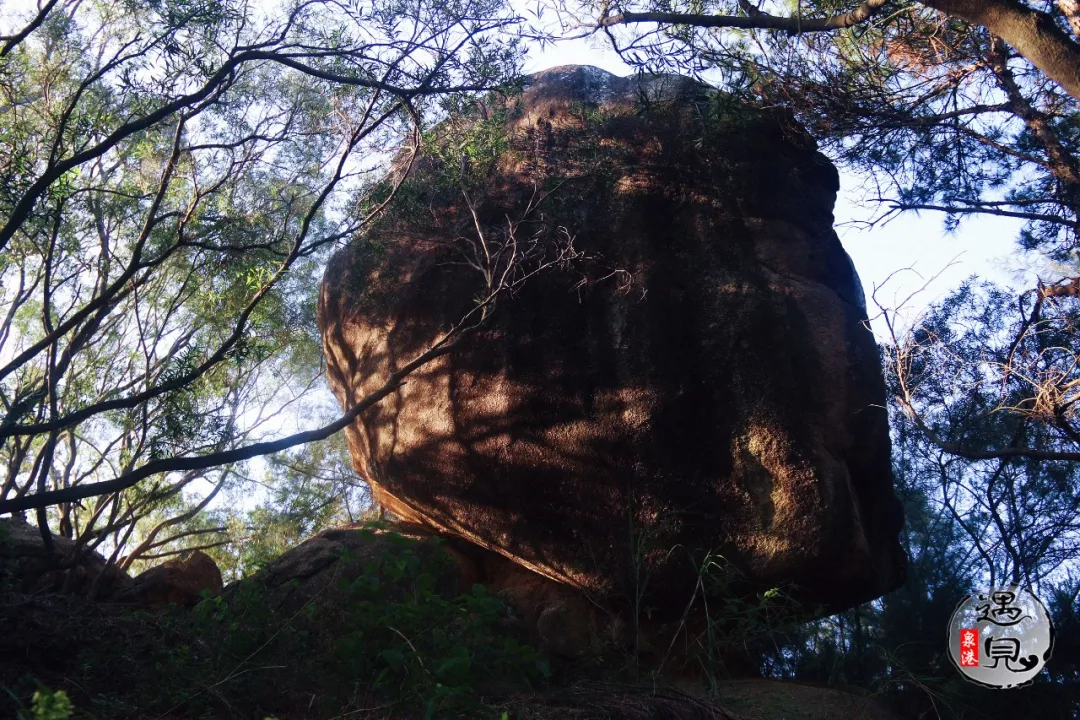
{"x": 367, "y": 622}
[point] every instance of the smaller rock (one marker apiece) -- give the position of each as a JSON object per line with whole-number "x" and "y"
{"x": 26, "y": 567}
{"x": 557, "y": 617}
{"x": 303, "y": 562}
{"x": 323, "y": 566}
{"x": 176, "y": 581}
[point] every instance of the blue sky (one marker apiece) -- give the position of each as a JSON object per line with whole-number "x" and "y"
{"x": 982, "y": 246}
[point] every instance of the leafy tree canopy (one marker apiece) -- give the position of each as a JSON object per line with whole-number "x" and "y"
{"x": 173, "y": 174}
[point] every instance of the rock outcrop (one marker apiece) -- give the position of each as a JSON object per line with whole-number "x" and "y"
{"x": 693, "y": 381}
{"x": 551, "y": 615}
{"x": 181, "y": 581}
{"x": 26, "y": 566}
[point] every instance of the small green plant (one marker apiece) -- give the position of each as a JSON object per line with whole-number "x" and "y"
{"x": 436, "y": 650}
{"x": 742, "y": 618}
{"x": 48, "y": 705}
{"x": 724, "y": 615}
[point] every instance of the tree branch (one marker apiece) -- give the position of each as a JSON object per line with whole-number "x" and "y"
{"x": 1031, "y": 33}
{"x": 11, "y": 41}
{"x": 754, "y": 20}
{"x": 200, "y": 462}
{"x": 1034, "y": 34}
{"x": 983, "y": 210}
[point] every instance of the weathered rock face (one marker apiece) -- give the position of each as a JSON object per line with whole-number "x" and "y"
{"x": 551, "y": 615}
{"x": 698, "y": 381}
{"x": 25, "y": 565}
{"x": 181, "y": 581}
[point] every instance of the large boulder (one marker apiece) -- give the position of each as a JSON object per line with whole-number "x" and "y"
{"x": 694, "y": 381}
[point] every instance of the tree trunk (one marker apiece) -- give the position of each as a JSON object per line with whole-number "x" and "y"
{"x": 1071, "y": 10}
{"x": 1033, "y": 34}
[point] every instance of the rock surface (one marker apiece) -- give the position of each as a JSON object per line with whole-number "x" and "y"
{"x": 553, "y": 616}
{"x": 697, "y": 383}
{"x": 181, "y": 581}
{"x": 315, "y": 567}
{"x": 26, "y": 566}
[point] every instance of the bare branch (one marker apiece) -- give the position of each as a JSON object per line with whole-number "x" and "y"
{"x": 755, "y": 19}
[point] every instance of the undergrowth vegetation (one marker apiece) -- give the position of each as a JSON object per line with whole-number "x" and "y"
{"x": 379, "y": 627}
{"x": 387, "y": 633}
